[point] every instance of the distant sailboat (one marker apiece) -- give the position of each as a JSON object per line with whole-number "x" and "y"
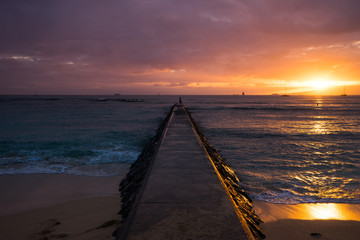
{"x": 285, "y": 95}
{"x": 344, "y": 94}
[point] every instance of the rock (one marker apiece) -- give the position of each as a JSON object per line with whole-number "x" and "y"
{"x": 315, "y": 234}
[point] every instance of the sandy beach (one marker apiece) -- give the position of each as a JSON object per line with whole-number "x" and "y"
{"x": 58, "y": 206}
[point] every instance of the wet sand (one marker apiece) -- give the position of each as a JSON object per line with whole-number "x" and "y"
{"x": 309, "y": 221}
{"x": 58, "y": 206}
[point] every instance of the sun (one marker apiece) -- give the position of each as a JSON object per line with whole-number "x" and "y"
{"x": 320, "y": 83}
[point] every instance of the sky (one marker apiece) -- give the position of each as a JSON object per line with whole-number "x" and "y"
{"x": 179, "y": 46}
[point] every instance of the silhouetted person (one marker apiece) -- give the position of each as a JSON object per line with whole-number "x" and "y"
{"x": 180, "y": 100}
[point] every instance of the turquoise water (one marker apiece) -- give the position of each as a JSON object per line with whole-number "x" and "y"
{"x": 285, "y": 150}
{"x": 82, "y": 135}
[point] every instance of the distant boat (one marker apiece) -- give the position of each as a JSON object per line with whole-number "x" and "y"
{"x": 285, "y": 95}
{"x": 344, "y": 94}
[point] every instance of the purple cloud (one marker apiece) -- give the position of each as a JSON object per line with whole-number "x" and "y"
{"x": 69, "y": 46}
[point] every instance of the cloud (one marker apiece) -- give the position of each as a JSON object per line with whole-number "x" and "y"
{"x": 121, "y": 42}
{"x": 19, "y": 58}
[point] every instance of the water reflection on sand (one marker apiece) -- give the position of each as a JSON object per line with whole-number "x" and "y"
{"x": 269, "y": 212}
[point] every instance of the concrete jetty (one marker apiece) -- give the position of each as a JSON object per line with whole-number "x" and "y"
{"x": 183, "y": 194}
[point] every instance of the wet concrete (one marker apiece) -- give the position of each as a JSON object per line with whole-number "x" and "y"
{"x": 182, "y": 197}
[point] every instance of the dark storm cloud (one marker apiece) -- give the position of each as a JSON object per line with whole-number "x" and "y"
{"x": 66, "y": 43}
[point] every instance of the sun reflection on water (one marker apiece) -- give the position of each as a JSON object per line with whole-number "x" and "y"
{"x": 324, "y": 211}
{"x": 320, "y": 127}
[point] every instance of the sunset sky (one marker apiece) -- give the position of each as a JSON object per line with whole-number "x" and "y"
{"x": 179, "y": 46}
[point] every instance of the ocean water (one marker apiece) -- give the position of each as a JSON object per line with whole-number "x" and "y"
{"x": 285, "y": 150}
{"x": 288, "y": 149}
{"x": 82, "y": 135}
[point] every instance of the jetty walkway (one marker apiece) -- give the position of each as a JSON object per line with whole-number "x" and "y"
{"x": 183, "y": 196}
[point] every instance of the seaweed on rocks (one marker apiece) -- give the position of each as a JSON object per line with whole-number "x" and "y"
{"x": 131, "y": 185}
{"x": 242, "y": 202}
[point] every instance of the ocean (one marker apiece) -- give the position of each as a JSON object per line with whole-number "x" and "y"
{"x": 296, "y": 149}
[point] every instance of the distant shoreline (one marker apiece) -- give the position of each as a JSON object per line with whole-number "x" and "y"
{"x": 175, "y": 95}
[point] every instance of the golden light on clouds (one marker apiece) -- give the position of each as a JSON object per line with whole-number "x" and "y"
{"x": 227, "y": 47}
{"x": 323, "y": 85}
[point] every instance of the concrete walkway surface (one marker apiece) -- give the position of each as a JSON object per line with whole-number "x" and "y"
{"x": 183, "y": 198}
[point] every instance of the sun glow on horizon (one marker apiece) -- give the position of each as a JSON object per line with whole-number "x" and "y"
{"x": 321, "y": 84}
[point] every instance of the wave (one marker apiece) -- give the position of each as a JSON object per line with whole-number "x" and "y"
{"x": 252, "y": 108}
{"x": 309, "y": 136}
{"x": 64, "y": 160}
{"x": 278, "y": 108}
{"x": 276, "y": 189}
{"x": 94, "y": 170}
{"x": 287, "y": 197}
